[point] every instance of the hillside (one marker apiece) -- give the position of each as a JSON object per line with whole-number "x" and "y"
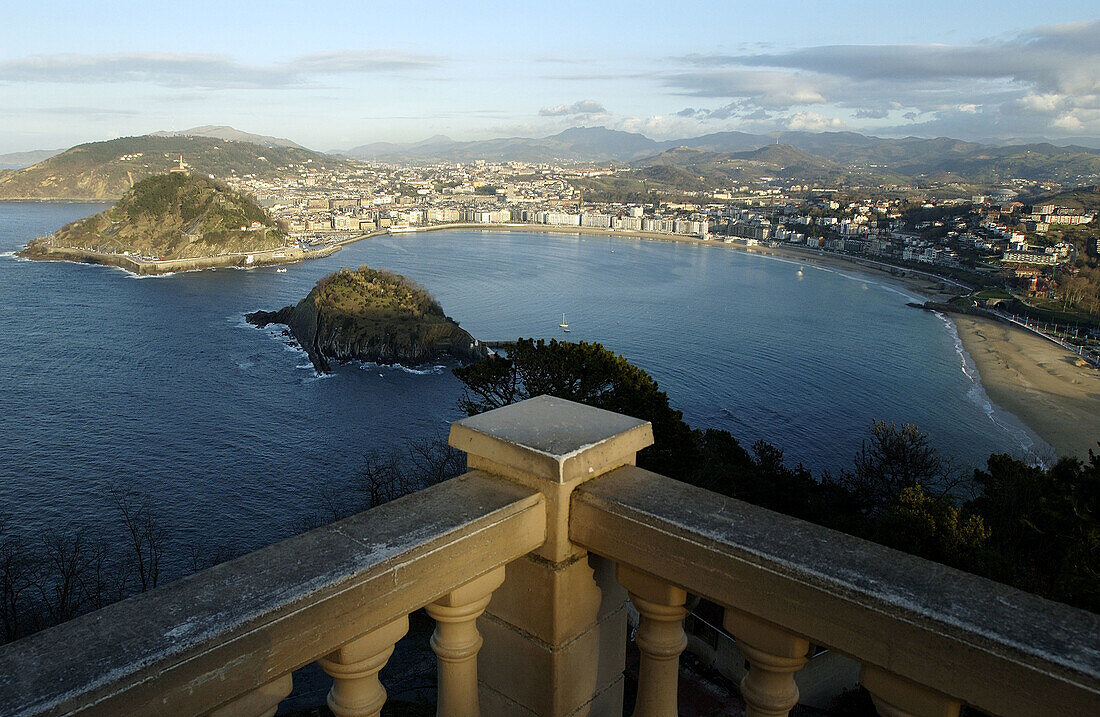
{"x": 372, "y": 315}
{"x": 106, "y": 170}
{"x": 170, "y": 216}
{"x": 1086, "y": 198}
{"x": 231, "y": 134}
{"x": 689, "y": 169}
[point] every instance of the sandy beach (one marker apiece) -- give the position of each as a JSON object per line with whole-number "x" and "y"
{"x": 1036, "y": 380}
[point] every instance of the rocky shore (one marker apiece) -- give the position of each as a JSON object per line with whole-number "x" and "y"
{"x": 375, "y": 316}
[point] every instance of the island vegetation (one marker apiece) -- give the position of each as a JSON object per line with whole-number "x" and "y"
{"x": 167, "y": 217}
{"x": 372, "y": 315}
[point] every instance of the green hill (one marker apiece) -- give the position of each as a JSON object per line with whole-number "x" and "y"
{"x": 1084, "y": 198}
{"x": 106, "y": 170}
{"x": 171, "y": 216}
{"x": 372, "y": 315}
{"x": 690, "y": 169}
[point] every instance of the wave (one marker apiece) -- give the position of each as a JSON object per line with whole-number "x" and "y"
{"x": 1034, "y": 449}
{"x": 7, "y": 253}
{"x": 428, "y": 371}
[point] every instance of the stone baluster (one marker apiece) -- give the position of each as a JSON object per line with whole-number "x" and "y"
{"x": 896, "y": 696}
{"x": 660, "y": 639}
{"x": 356, "y": 691}
{"x": 774, "y": 655}
{"x": 555, "y": 632}
{"x": 260, "y": 702}
{"x": 456, "y": 642}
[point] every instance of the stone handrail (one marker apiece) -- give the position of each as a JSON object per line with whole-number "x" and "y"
{"x": 967, "y": 638}
{"x": 213, "y": 638}
{"x": 526, "y": 563}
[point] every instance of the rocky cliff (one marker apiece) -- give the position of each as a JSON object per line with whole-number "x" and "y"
{"x": 372, "y": 315}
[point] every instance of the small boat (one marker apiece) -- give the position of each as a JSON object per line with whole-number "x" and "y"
{"x": 564, "y": 326}
{"x": 280, "y": 271}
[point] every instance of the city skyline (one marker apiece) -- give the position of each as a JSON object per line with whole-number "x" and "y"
{"x": 349, "y": 74}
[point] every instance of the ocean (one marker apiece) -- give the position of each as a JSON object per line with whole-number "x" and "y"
{"x": 159, "y": 385}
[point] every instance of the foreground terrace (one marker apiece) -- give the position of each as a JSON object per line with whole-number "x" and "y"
{"x": 526, "y": 564}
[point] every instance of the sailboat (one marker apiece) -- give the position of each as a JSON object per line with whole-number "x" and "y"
{"x": 564, "y": 326}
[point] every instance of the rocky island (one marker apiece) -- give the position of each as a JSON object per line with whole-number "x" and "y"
{"x": 174, "y": 222}
{"x": 372, "y": 315}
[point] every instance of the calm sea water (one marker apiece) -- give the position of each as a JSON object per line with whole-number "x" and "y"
{"x": 158, "y": 384}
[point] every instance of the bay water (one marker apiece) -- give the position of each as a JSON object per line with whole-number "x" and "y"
{"x": 159, "y": 385}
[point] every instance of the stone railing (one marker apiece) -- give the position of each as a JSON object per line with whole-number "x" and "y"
{"x": 526, "y": 563}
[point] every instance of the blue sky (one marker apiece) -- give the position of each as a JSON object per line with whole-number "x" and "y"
{"x": 335, "y": 75}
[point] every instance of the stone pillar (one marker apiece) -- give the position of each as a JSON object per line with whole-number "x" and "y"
{"x": 774, "y": 655}
{"x": 356, "y": 691}
{"x": 555, "y": 631}
{"x": 260, "y": 702}
{"x": 896, "y": 696}
{"x": 456, "y": 642}
{"x": 660, "y": 638}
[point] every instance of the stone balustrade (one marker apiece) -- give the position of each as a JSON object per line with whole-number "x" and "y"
{"x": 526, "y": 564}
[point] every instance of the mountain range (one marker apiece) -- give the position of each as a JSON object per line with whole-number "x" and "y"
{"x": 599, "y": 144}
{"x": 105, "y": 170}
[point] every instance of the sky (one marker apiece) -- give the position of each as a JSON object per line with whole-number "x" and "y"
{"x": 335, "y": 75}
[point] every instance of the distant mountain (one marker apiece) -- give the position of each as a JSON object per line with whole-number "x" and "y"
{"x": 106, "y": 170}
{"x": 230, "y": 134}
{"x": 689, "y": 169}
{"x": 577, "y": 144}
{"x": 18, "y": 160}
{"x": 940, "y": 158}
{"x": 722, "y": 142}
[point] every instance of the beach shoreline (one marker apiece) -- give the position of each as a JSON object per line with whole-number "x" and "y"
{"x": 927, "y": 285}
{"x": 1037, "y": 381}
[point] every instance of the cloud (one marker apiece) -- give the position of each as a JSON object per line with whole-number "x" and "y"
{"x": 341, "y": 61}
{"x": 812, "y": 122}
{"x": 772, "y": 90}
{"x": 208, "y": 71}
{"x": 581, "y": 108}
{"x": 1045, "y": 77}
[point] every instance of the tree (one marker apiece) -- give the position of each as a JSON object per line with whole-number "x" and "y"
{"x": 893, "y": 459}
{"x": 1044, "y": 526}
{"x": 145, "y": 535}
{"x": 586, "y": 373}
{"x": 932, "y": 527}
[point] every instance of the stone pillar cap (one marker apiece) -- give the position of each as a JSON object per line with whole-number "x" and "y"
{"x": 552, "y": 438}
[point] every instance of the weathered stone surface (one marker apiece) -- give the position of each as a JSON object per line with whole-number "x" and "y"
{"x": 986, "y": 644}
{"x": 207, "y": 639}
